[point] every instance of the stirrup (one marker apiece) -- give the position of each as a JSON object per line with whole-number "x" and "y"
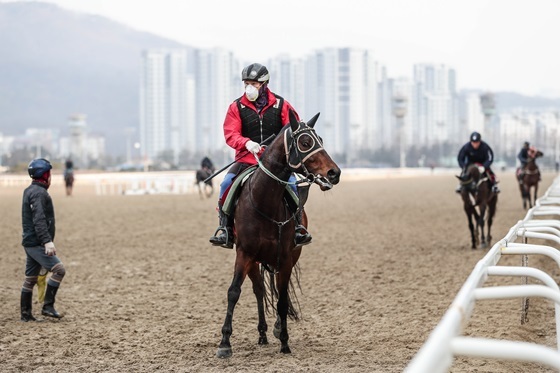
{"x": 223, "y": 239}
{"x": 304, "y": 238}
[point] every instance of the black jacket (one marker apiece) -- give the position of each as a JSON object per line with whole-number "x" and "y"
{"x": 468, "y": 155}
{"x": 37, "y": 216}
{"x": 523, "y": 156}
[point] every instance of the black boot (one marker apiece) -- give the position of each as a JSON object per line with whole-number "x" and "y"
{"x": 26, "y": 300}
{"x": 224, "y": 234}
{"x": 48, "y": 306}
{"x": 302, "y": 235}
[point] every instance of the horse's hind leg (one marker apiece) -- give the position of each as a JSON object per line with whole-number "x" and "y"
{"x": 234, "y": 291}
{"x": 258, "y": 290}
{"x": 491, "y": 212}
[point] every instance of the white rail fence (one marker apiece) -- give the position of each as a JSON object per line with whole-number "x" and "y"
{"x": 123, "y": 183}
{"x": 446, "y": 341}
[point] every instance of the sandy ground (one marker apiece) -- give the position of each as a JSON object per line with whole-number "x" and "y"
{"x": 145, "y": 291}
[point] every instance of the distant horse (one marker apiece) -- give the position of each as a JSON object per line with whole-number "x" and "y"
{"x": 69, "y": 181}
{"x": 205, "y": 189}
{"x": 264, "y": 225}
{"x": 530, "y": 179}
{"x": 477, "y": 198}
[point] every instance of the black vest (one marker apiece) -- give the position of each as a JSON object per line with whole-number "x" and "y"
{"x": 258, "y": 128}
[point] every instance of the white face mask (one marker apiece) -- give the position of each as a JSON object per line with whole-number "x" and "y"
{"x": 251, "y": 92}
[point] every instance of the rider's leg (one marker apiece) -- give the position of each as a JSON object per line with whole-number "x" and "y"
{"x": 493, "y": 180}
{"x": 224, "y": 234}
{"x": 459, "y": 188}
{"x": 302, "y": 235}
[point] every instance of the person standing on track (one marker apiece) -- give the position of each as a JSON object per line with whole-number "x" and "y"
{"x": 38, "y": 225}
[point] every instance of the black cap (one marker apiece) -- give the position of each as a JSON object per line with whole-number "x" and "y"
{"x": 475, "y": 137}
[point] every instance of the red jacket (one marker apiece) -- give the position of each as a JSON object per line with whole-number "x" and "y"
{"x": 232, "y": 126}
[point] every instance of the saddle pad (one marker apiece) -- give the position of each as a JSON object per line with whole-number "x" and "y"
{"x": 231, "y": 197}
{"x": 239, "y": 180}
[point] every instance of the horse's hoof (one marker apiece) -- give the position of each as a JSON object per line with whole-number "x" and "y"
{"x": 263, "y": 340}
{"x": 224, "y": 352}
{"x": 285, "y": 350}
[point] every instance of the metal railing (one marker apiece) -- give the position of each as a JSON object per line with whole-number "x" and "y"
{"x": 445, "y": 342}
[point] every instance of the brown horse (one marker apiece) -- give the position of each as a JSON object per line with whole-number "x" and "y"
{"x": 530, "y": 179}
{"x": 476, "y": 192}
{"x": 264, "y": 225}
{"x": 69, "y": 181}
{"x": 205, "y": 188}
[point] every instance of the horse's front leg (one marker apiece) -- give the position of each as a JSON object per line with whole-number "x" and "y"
{"x": 469, "y": 212}
{"x": 535, "y": 194}
{"x": 481, "y": 226}
{"x": 258, "y": 290}
{"x": 281, "y": 326}
{"x": 234, "y": 291}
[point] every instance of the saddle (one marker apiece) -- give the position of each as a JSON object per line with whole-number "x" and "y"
{"x": 232, "y": 193}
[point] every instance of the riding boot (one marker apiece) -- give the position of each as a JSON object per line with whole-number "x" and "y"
{"x": 224, "y": 234}
{"x": 26, "y": 298}
{"x": 459, "y": 189}
{"x": 48, "y": 306}
{"x": 302, "y": 235}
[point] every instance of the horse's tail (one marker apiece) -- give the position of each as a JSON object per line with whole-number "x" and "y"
{"x": 271, "y": 296}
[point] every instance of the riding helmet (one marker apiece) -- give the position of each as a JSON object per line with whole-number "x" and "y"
{"x": 38, "y": 167}
{"x": 255, "y": 72}
{"x": 526, "y": 143}
{"x": 475, "y": 137}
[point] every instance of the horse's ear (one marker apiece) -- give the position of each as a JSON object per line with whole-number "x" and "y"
{"x": 312, "y": 121}
{"x": 458, "y": 177}
{"x": 293, "y": 120}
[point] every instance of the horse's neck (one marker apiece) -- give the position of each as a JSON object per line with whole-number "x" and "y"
{"x": 531, "y": 164}
{"x": 274, "y": 161}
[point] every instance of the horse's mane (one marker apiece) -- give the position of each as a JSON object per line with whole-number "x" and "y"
{"x": 279, "y": 135}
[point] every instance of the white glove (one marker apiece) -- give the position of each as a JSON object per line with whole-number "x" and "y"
{"x": 253, "y": 147}
{"x": 481, "y": 169}
{"x": 50, "y": 249}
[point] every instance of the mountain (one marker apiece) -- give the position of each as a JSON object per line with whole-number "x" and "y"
{"x": 55, "y": 62}
{"x": 506, "y": 101}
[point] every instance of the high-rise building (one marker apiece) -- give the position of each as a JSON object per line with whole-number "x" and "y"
{"x": 218, "y": 83}
{"x": 166, "y": 110}
{"x": 342, "y": 85}
{"x": 436, "y": 112}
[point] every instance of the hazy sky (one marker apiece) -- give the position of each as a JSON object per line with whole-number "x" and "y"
{"x": 493, "y": 44}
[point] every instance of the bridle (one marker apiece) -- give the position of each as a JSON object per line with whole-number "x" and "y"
{"x": 296, "y": 156}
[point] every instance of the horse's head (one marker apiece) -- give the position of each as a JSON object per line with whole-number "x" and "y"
{"x": 305, "y": 153}
{"x": 469, "y": 179}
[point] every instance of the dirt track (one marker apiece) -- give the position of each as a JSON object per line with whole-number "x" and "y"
{"x": 145, "y": 291}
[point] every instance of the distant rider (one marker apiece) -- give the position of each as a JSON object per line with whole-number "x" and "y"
{"x": 477, "y": 151}
{"x": 526, "y": 152}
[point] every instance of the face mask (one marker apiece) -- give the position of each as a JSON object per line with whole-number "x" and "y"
{"x": 251, "y": 92}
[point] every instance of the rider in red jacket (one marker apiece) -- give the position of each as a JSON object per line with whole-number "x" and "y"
{"x": 250, "y": 120}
